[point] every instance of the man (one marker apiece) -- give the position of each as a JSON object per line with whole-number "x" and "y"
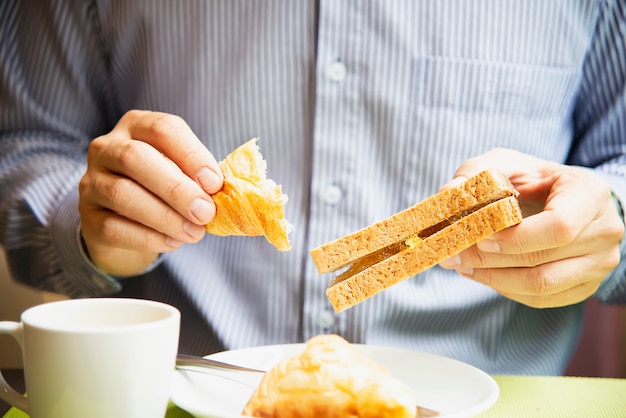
{"x": 363, "y": 109}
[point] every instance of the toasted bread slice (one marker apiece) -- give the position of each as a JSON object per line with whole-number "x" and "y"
{"x": 417, "y": 238}
{"x": 250, "y": 204}
{"x": 415, "y": 256}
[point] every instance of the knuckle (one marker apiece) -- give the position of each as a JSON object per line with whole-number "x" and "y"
{"x": 542, "y": 281}
{"x": 84, "y": 184}
{"x": 612, "y": 259}
{"x": 615, "y": 231}
{"x": 115, "y": 232}
{"x": 129, "y": 154}
{"x": 477, "y": 259}
{"x": 166, "y": 124}
{"x": 143, "y": 239}
{"x": 172, "y": 223}
{"x": 195, "y": 154}
{"x": 175, "y": 191}
{"x": 615, "y": 258}
{"x": 117, "y": 191}
{"x": 96, "y": 148}
{"x": 531, "y": 259}
{"x": 563, "y": 229}
{"x": 109, "y": 230}
{"x": 132, "y": 114}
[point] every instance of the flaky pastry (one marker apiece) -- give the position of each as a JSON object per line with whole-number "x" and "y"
{"x": 250, "y": 204}
{"x": 330, "y": 378}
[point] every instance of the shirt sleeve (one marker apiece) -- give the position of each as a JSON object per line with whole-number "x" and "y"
{"x": 600, "y": 121}
{"x": 55, "y": 97}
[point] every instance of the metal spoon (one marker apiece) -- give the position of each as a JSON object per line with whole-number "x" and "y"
{"x": 186, "y": 361}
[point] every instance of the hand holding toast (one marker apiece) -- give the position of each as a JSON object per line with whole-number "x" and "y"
{"x": 413, "y": 240}
{"x": 147, "y": 190}
{"x": 565, "y": 246}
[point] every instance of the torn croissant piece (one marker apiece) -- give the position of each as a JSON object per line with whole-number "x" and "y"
{"x": 250, "y": 204}
{"x": 330, "y": 378}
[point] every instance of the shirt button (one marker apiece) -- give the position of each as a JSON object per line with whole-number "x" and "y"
{"x": 332, "y": 195}
{"x": 326, "y": 319}
{"x": 336, "y": 71}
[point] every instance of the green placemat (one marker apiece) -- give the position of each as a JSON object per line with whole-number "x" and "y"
{"x": 568, "y": 397}
{"x": 528, "y": 396}
{"x": 172, "y": 412}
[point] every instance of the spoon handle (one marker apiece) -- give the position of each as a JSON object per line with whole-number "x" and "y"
{"x": 185, "y": 361}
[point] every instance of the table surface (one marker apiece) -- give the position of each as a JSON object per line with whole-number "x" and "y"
{"x": 530, "y": 396}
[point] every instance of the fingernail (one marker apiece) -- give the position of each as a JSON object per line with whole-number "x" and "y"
{"x": 202, "y": 210}
{"x": 488, "y": 246}
{"x": 171, "y": 242}
{"x": 208, "y": 178}
{"x": 451, "y": 262}
{"x": 193, "y": 230}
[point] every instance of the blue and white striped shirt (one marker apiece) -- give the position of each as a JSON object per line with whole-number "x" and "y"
{"x": 363, "y": 108}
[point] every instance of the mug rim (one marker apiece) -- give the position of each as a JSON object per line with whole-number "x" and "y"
{"x": 37, "y": 316}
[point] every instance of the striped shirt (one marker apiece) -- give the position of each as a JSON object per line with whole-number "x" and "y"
{"x": 363, "y": 109}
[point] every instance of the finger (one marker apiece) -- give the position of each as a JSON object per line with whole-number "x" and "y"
{"x": 172, "y": 136}
{"x": 519, "y": 167}
{"x": 568, "y": 297}
{"x": 561, "y": 221}
{"x": 107, "y": 229}
{"x": 543, "y": 280}
{"x": 586, "y": 244}
{"x": 144, "y": 164}
{"x": 130, "y": 200}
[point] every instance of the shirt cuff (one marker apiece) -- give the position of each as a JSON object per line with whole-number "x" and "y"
{"x": 83, "y": 278}
{"x": 78, "y": 267}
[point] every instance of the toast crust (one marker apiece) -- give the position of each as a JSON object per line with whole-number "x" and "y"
{"x": 485, "y": 187}
{"x": 349, "y": 290}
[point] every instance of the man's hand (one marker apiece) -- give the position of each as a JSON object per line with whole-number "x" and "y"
{"x": 147, "y": 190}
{"x": 567, "y": 243}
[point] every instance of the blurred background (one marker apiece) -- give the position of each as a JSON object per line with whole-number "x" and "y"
{"x": 15, "y": 298}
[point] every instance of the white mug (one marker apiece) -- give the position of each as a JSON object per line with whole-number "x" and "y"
{"x": 97, "y": 358}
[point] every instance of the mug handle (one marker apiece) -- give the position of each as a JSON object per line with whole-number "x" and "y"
{"x": 7, "y": 393}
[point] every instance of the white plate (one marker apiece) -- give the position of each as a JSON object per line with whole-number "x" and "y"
{"x": 453, "y": 388}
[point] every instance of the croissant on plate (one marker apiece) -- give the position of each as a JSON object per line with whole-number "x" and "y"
{"x": 331, "y": 379}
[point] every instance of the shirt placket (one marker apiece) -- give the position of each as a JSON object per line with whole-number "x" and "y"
{"x": 335, "y": 149}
